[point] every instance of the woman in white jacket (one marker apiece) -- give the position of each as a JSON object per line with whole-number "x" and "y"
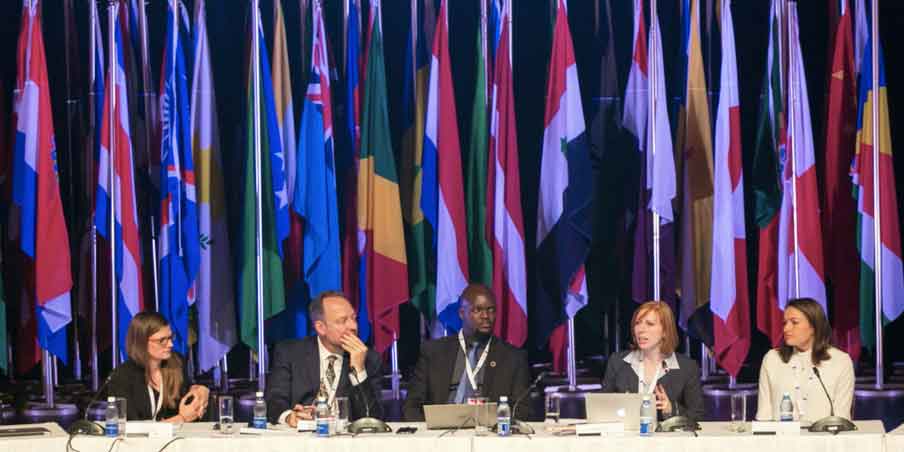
{"x": 796, "y": 367}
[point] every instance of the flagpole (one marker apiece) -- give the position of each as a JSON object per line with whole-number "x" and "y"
{"x": 147, "y": 98}
{"x": 877, "y": 205}
{"x": 651, "y": 121}
{"x": 111, "y": 227}
{"x": 93, "y": 125}
{"x": 792, "y": 100}
{"x": 258, "y": 187}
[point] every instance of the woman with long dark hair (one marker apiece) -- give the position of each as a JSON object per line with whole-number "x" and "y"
{"x": 153, "y": 380}
{"x": 792, "y": 368}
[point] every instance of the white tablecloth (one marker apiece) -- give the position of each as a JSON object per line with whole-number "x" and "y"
{"x": 894, "y": 440}
{"x": 714, "y": 437}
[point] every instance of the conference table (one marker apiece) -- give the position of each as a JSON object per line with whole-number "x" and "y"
{"x": 894, "y": 440}
{"x": 714, "y": 436}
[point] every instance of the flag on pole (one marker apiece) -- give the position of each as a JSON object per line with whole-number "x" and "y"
{"x": 128, "y": 271}
{"x": 767, "y": 190}
{"x": 216, "y": 298}
{"x": 696, "y": 175}
{"x": 354, "y": 270}
{"x": 728, "y": 296}
{"x": 480, "y": 257}
{"x": 273, "y": 199}
{"x": 505, "y": 221}
{"x": 383, "y": 259}
{"x": 657, "y": 175}
{"x": 891, "y": 280}
{"x": 417, "y": 231}
{"x": 801, "y": 271}
{"x": 565, "y": 198}
{"x": 315, "y": 187}
{"x": 442, "y": 201}
{"x": 178, "y": 245}
{"x": 839, "y": 216}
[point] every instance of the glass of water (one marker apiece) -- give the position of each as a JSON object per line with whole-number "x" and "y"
{"x": 121, "y": 410}
{"x": 553, "y": 403}
{"x": 738, "y": 412}
{"x": 227, "y": 413}
{"x": 340, "y": 413}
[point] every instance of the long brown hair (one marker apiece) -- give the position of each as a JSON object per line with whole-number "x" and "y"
{"x": 822, "y": 331}
{"x": 666, "y": 319}
{"x": 143, "y": 326}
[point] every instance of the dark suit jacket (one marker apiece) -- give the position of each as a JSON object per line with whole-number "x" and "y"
{"x": 295, "y": 378}
{"x": 681, "y": 385}
{"x": 128, "y": 380}
{"x": 505, "y": 374}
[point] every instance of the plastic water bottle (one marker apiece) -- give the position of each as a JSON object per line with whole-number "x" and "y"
{"x": 111, "y": 424}
{"x": 503, "y": 417}
{"x": 647, "y": 412}
{"x": 322, "y": 417}
{"x": 259, "y": 419}
{"x": 786, "y": 408}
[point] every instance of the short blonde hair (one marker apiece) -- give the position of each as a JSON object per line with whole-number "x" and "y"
{"x": 666, "y": 319}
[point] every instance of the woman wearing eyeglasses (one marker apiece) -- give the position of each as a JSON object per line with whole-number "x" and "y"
{"x": 154, "y": 380}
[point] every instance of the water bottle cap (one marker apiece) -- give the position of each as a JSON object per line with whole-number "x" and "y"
{"x": 111, "y": 399}
{"x": 646, "y": 397}
{"x": 259, "y": 394}
{"x": 503, "y": 398}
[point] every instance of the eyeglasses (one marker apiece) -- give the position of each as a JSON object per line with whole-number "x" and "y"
{"x": 485, "y": 310}
{"x": 162, "y": 341}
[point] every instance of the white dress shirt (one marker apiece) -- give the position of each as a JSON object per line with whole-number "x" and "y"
{"x": 796, "y": 377}
{"x": 635, "y": 359}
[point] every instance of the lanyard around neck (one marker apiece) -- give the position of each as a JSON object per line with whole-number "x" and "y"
{"x": 472, "y": 372}
{"x": 156, "y": 405}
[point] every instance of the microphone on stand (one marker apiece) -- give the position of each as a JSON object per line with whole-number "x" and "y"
{"x": 366, "y": 423}
{"x": 87, "y": 427}
{"x": 676, "y": 422}
{"x": 520, "y": 426}
{"x": 831, "y": 423}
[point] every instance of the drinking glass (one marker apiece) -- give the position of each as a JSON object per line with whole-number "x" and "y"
{"x": 738, "y": 412}
{"x": 121, "y": 410}
{"x": 552, "y": 403}
{"x": 481, "y": 406}
{"x": 227, "y": 414}
{"x": 340, "y": 413}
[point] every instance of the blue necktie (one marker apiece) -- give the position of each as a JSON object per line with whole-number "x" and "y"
{"x": 464, "y": 384}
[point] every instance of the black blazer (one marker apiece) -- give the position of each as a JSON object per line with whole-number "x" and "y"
{"x": 505, "y": 373}
{"x": 681, "y": 385}
{"x": 295, "y": 378}
{"x": 128, "y": 380}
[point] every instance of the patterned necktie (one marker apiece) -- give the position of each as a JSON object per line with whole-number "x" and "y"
{"x": 331, "y": 371}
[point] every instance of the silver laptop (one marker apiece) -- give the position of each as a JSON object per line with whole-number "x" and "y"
{"x": 455, "y": 415}
{"x": 614, "y": 408}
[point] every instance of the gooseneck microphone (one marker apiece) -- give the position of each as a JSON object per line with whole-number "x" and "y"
{"x": 831, "y": 423}
{"x": 366, "y": 423}
{"x": 84, "y": 426}
{"x": 517, "y": 425}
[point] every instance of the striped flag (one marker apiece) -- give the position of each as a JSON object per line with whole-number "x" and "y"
{"x": 505, "y": 221}
{"x": 839, "y": 214}
{"x": 315, "y": 181}
{"x": 36, "y": 193}
{"x": 636, "y": 95}
{"x": 273, "y": 203}
{"x": 383, "y": 259}
{"x": 565, "y": 198}
{"x": 728, "y": 296}
{"x": 476, "y": 189}
{"x": 417, "y": 233}
{"x": 765, "y": 181}
{"x": 800, "y": 264}
{"x": 891, "y": 280}
{"x": 442, "y": 201}
{"x": 178, "y": 243}
{"x": 128, "y": 269}
{"x": 216, "y": 299}
{"x": 696, "y": 169}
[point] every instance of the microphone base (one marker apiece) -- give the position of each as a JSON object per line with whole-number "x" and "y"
{"x": 833, "y": 425}
{"x": 678, "y": 424}
{"x": 368, "y": 425}
{"x": 86, "y": 427}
